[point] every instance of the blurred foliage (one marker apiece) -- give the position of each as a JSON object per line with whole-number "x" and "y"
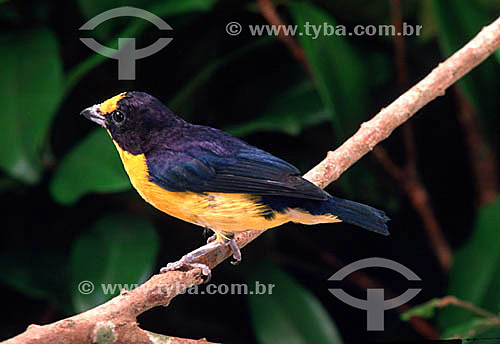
{"x": 297, "y": 109}
{"x": 481, "y": 256}
{"x": 455, "y": 33}
{"x": 473, "y": 327}
{"x": 426, "y": 310}
{"x": 31, "y": 89}
{"x": 119, "y": 249}
{"x": 65, "y": 224}
{"x": 133, "y": 29}
{"x": 341, "y": 85}
{"x": 103, "y": 171}
{"x": 473, "y": 278}
{"x": 276, "y": 320}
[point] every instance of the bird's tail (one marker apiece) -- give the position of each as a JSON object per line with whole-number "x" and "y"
{"x": 358, "y": 214}
{"x": 334, "y": 209}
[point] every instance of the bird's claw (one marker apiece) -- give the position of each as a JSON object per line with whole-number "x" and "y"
{"x": 212, "y": 238}
{"x": 236, "y": 252}
{"x": 187, "y": 261}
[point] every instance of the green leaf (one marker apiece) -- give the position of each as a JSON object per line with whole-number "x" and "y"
{"x": 458, "y": 22}
{"x": 119, "y": 249}
{"x": 471, "y": 328}
{"x": 92, "y": 166}
{"x": 474, "y": 276}
{"x": 338, "y": 71}
{"x": 30, "y": 90}
{"x": 296, "y": 109}
{"x": 287, "y": 313}
{"x": 425, "y": 310}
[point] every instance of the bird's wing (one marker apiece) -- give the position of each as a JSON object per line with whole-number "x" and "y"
{"x": 245, "y": 169}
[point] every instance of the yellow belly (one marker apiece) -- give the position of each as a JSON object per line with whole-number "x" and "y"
{"x": 221, "y": 212}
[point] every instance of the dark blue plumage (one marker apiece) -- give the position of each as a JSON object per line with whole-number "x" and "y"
{"x": 204, "y": 159}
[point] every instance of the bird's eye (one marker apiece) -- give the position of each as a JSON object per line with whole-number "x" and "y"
{"x": 118, "y": 116}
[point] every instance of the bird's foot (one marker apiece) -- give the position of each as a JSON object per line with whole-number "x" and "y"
{"x": 190, "y": 260}
{"x": 232, "y": 244}
{"x": 212, "y": 238}
{"x": 185, "y": 261}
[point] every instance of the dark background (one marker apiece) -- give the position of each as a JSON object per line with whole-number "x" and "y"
{"x": 70, "y": 214}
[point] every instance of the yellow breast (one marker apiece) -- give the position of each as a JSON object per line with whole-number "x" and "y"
{"x": 223, "y": 212}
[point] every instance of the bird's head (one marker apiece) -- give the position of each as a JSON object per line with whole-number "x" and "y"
{"x": 132, "y": 118}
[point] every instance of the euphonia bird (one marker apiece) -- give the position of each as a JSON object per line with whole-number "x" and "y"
{"x": 212, "y": 179}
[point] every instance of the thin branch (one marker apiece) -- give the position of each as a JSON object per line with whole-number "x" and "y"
{"x": 484, "y": 164}
{"x": 268, "y": 11}
{"x": 419, "y": 198}
{"x": 403, "y": 80}
{"x": 116, "y": 319}
{"x": 399, "y": 43}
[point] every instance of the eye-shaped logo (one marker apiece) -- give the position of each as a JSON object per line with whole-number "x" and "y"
{"x": 126, "y": 54}
{"x": 375, "y": 305}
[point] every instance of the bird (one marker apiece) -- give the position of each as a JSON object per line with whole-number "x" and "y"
{"x": 212, "y": 179}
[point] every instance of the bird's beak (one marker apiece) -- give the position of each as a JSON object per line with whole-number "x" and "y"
{"x": 94, "y": 114}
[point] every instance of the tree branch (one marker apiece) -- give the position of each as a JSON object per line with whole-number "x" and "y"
{"x": 115, "y": 321}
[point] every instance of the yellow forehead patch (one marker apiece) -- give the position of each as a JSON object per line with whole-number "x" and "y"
{"x": 111, "y": 104}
